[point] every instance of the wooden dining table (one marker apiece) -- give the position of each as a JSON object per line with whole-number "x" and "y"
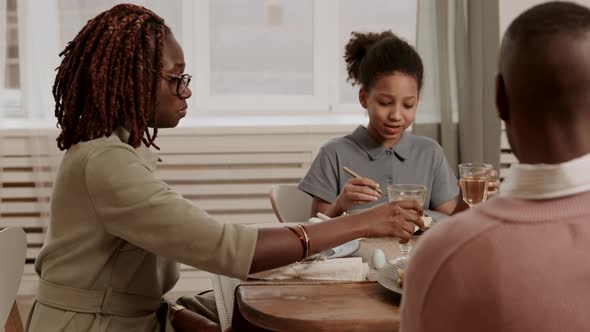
{"x": 361, "y": 306}
{"x": 313, "y": 305}
{"x": 316, "y": 305}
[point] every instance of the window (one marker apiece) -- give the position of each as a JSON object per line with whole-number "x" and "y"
{"x": 375, "y": 16}
{"x": 248, "y": 57}
{"x": 261, "y": 47}
{"x": 9, "y": 60}
{"x": 285, "y": 57}
{"x": 73, "y": 14}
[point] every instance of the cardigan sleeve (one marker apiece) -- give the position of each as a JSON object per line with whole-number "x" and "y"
{"x": 135, "y": 206}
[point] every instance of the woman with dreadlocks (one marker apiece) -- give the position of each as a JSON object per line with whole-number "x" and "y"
{"x": 116, "y": 232}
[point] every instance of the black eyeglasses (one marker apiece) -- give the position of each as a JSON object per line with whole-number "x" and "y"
{"x": 183, "y": 81}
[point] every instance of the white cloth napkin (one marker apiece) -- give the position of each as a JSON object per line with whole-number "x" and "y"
{"x": 350, "y": 269}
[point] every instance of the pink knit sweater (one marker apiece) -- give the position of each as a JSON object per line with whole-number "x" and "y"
{"x": 507, "y": 265}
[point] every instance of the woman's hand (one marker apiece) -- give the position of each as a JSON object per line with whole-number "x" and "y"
{"x": 186, "y": 320}
{"x": 394, "y": 219}
{"x": 278, "y": 246}
{"x": 356, "y": 191}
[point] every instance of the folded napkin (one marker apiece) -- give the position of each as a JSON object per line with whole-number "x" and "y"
{"x": 350, "y": 269}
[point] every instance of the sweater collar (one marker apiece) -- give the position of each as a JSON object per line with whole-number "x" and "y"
{"x": 543, "y": 181}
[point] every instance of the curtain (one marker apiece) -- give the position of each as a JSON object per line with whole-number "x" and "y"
{"x": 459, "y": 41}
{"x": 3, "y": 22}
{"x": 2, "y": 68}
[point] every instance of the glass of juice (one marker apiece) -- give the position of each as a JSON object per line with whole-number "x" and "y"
{"x": 404, "y": 192}
{"x": 474, "y": 182}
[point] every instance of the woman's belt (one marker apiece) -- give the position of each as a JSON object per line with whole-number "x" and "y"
{"x": 106, "y": 302}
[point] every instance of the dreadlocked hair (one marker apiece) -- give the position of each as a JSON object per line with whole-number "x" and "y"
{"x": 109, "y": 76}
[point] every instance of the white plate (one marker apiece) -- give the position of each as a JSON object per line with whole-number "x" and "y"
{"x": 342, "y": 250}
{"x": 387, "y": 277}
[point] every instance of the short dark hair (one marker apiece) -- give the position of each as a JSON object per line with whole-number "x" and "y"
{"x": 371, "y": 55}
{"x": 108, "y": 75}
{"x": 549, "y": 19}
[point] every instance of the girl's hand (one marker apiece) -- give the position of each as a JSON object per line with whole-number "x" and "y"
{"x": 357, "y": 191}
{"x": 394, "y": 219}
{"x": 493, "y": 184}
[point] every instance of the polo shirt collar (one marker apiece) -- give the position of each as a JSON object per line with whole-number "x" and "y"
{"x": 375, "y": 149}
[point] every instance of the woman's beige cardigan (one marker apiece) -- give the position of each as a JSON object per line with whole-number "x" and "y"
{"x": 115, "y": 235}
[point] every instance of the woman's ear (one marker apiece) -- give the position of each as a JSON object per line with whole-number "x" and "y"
{"x": 501, "y": 99}
{"x": 363, "y": 97}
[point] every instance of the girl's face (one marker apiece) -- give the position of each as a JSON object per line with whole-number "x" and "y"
{"x": 391, "y": 104}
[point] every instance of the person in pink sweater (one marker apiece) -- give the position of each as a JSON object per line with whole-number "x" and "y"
{"x": 521, "y": 261}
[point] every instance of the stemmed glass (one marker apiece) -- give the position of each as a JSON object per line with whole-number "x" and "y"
{"x": 406, "y": 192}
{"x": 474, "y": 182}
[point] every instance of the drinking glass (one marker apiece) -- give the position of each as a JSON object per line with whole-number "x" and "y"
{"x": 406, "y": 192}
{"x": 474, "y": 182}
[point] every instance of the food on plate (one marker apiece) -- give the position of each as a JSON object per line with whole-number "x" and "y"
{"x": 427, "y": 221}
{"x": 378, "y": 259}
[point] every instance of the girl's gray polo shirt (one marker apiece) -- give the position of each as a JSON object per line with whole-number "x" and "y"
{"x": 413, "y": 160}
